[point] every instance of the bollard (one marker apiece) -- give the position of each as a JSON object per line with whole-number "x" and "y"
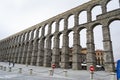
{"x": 1, "y": 67}
{"x": 31, "y": 71}
{"x": 91, "y": 75}
{"x": 26, "y": 65}
{"x": 20, "y": 70}
{"x": 65, "y": 73}
{"x": 4, "y": 69}
{"x": 51, "y": 71}
{"x": 10, "y": 69}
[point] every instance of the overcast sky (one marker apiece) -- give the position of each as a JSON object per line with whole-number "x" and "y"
{"x": 17, "y": 15}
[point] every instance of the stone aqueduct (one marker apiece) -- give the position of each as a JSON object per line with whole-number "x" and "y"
{"x": 27, "y": 46}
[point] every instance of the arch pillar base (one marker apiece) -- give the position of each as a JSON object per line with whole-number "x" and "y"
{"x": 65, "y": 65}
{"x": 76, "y": 66}
{"x": 109, "y": 67}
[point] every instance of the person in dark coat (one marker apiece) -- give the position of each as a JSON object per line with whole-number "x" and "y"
{"x": 13, "y": 64}
{"x": 9, "y": 63}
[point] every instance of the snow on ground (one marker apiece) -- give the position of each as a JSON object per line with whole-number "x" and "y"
{"x": 42, "y": 73}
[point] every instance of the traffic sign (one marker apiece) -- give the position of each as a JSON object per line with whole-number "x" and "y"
{"x": 53, "y": 66}
{"x": 92, "y": 68}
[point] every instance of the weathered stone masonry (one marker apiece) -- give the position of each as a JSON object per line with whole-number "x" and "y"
{"x": 33, "y": 47}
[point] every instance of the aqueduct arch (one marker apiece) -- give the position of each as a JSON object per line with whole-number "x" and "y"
{"x": 28, "y": 46}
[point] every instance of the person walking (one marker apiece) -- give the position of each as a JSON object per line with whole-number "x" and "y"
{"x": 13, "y": 64}
{"x": 9, "y": 63}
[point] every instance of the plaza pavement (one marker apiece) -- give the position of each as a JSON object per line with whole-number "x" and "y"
{"x": 42, "y": 73}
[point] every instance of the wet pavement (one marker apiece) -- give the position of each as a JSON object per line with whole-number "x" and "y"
{"x": 42, "y": 73}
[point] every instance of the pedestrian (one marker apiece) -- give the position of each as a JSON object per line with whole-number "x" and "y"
{"x": 9, "y": 63}
{"x": 13, "y": 64}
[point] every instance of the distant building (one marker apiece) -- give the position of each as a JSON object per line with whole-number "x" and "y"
{"x": 99, "y": 56}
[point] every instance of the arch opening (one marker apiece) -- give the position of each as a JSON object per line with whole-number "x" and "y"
{"x": 83, "y": 17}
{"x": 26, "y": 36}
{"x": 61, "y": 25}
{"x": 30, "y": 35}
{"x": 96, "y": 11}
{"x": 46, "y": 29}
{"x": 115, "y": 31}
{"x": 40, "y": 29}
{"x": 70, "y": 39}
{"x": 98, "y": 42}
{"x": 112, "y": 5}
{"x": 53, "y": 27}
{"x": 83, "y": 38}
{"x": 98, "y": 38}
{"x": 71, "y": 21}
{"x": 60, "y": 42}
{"x": 52, "y": 42}
{"x": 34, "y": 34}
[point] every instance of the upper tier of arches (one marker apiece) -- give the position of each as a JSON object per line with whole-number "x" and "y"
{"x": 67, "y": 21}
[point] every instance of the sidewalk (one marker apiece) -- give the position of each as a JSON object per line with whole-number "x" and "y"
{"x": 42, "y": 73}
